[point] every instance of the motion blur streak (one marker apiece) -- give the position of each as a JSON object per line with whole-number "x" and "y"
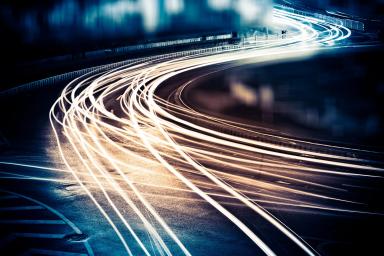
{"x": 129, "y": 141}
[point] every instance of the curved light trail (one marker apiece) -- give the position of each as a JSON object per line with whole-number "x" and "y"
{"x": 117, "y": 136}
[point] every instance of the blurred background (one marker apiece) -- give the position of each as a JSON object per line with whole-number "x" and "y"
{"x": 40, "y": 28}
{"x": 371, "y": 9}
{"x": 59, "y": 26}
{"x": 48, "y": 37}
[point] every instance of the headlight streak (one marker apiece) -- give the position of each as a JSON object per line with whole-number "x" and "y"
{"x": 119, "y": 130}
{"x": 295, "y": 203}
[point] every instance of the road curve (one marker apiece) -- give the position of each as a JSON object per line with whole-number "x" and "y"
{"x": 121, "y": 133}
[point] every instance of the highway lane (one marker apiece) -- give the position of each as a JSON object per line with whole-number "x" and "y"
{"x": 116, "y": 125}
{"x": 172, "y": 180}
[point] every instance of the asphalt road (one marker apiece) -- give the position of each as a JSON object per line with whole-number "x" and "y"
{"x": 181, "y": 156}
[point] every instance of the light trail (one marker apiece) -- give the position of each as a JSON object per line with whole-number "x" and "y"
{"x": 118, "y": 137}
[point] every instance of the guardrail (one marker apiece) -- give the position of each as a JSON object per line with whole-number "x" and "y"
{"x": 93, "y": 70}
{"x": 348, "y": 23}
{"x": 103, "y": 68}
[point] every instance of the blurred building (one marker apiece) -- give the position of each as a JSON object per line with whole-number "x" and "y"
{"x": 66, "y": 25}
{"x": 63, "y": 19}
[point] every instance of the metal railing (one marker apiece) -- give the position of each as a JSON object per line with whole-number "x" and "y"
{"x": 348, "y": 23}
{"x": 66, "y": 77}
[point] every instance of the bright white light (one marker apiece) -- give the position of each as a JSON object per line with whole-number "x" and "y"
{"x": 220, "y": 5}
{"x": 152, "y": 139}
{"x": 249, "y": 10}
{"x": 174, "y": 6}
{"x": 150, "y": 13}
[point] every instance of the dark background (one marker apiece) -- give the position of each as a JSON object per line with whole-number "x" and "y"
{"x": 41, "y": 28}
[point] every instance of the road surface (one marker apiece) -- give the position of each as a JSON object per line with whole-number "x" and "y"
{"x": 142, "y": 168}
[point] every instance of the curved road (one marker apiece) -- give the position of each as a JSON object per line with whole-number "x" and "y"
{"x": 173, "y": 179}
{"x": 131, "y": 132}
